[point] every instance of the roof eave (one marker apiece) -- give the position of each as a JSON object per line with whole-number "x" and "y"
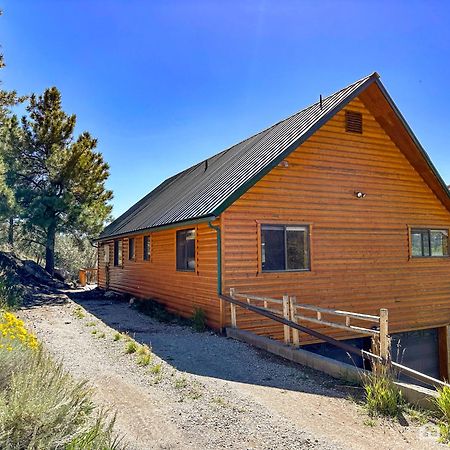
{"x": 182, "y": 223}
{"x": 414, "y": 138}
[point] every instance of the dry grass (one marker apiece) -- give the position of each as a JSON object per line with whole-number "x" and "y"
{"x": 43, "y": 407}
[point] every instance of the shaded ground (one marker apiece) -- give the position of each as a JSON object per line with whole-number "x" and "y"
{"x": 211, "y": 392}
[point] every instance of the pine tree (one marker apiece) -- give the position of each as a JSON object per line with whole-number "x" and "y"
{"x": 7, "y": 126}
{"x": 60, "y": 180}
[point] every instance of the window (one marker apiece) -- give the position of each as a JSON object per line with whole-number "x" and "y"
{"x": 131, "y": 248}
{"x": 186, "y": 250}
{"x": 106, "y": 253}
{"x": 284, "y": 247}
{"x": 429, "y": 243}
{"x": 118, "y": 252}
{"x": 146, "y": 249}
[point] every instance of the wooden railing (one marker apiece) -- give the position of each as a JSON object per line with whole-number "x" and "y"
{"x": 289, "y": 309}
{"x": 285, "y": 312}
{"x": 88, "y": 276}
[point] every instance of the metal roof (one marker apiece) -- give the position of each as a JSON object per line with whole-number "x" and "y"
{"x": 209, "y": 187}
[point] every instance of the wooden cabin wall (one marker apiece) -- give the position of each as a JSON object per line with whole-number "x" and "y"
{"x": 158, "y": 278}
{"x": 359, "y": 247}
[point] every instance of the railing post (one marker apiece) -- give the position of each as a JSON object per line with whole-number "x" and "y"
{"x": 233, "y": 309}
{"x": 384, "y": 335}
{"x": 287, "y": 329}
{"x": 293, "y": 311}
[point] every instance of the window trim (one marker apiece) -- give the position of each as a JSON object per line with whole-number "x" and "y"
{"x": 285, "y": 224}
{"x": 195, "y": 270}
{"x": 428, "y": 228}
{"x": 150, "y": 243}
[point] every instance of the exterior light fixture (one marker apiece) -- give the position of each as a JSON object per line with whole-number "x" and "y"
{"x": 360, "y": 194}
{"x": 283, "y": 163}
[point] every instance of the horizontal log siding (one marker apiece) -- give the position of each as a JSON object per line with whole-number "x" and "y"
{"x": 359, "y": 247}
{"x": 158, "y": 279}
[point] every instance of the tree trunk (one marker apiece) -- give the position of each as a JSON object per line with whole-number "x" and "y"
{"x": 50, "y": 249}
{"x": 11, "y": 232}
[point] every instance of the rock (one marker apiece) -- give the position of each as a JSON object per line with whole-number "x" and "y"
{"x": 112, "y": 295}
{"x": 61, "y": 274}
{"x": 36, "y": 271}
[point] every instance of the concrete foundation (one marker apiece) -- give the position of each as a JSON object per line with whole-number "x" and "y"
{"x": 416, "y": 395}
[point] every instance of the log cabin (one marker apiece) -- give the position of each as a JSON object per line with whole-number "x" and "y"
{"x": 338, "y": 204}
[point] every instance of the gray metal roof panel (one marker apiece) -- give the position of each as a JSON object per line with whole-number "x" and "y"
{"x": 200, "y": 192}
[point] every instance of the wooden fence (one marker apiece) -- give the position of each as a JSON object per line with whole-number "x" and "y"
{"x": 289, "y": 309}
{"x": 88, "y": 276}
{"x": 289, "y": 313}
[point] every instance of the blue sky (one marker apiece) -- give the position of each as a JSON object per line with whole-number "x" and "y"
{"x": 165, "y": 84}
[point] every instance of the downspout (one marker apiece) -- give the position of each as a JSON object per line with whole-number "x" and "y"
{"x": 219, "y": 257}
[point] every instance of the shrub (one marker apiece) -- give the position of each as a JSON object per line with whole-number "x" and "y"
{"x": 79, "y": 313}
{"x": 156, "y": 369}
{"x": 13, "y": 330}
{"x": 117, "y": 336}
{"x": 145, "y": 359}
{"x": 11, "y": 292}
{"x": 443, "y": 405}
{"x": 382, "y": 395}
{"x": 131, "y": 347}
{"x": 199, "y": 320}
{"x": 41, "y": 405}
{"x": 144, "y": 355}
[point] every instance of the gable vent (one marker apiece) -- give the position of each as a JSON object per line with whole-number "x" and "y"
{"x": 353, "y": 122}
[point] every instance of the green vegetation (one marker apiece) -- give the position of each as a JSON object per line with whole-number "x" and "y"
{"x": 443, "y": 404}
{"x": 117, "y": 336}
{"x": 156, "y": 369}
{"x": 199, "y": 320}
{"x": 53, "y": 197}
{"x": 145, "y": 355}
{"x": 181, "y": 383}
{"x": 11, "y": 293}
{"x": 383, "y": 397}
{"x": 131, "y": 347}
{"x": 159, "y": 312}
{"x": 79, "y": 313}
{"x": 41, "y": 405}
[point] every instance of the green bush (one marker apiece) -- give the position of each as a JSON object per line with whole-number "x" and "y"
{"x": 383, "y": 397}
{"x": 43, "y": 407}
{"x": 11, "y": 292}
{"x": 199, "y": 320}
{"x": 131, "y": 347}
{"x": 443, "y": 405}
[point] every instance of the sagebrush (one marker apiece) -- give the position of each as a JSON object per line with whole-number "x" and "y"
{"x": 41, "y": 405}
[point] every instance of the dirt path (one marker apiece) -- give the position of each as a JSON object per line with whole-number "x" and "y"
{"x": 203, "y": 391}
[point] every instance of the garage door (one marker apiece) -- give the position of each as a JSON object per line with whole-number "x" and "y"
{"x": 418, "y": 350}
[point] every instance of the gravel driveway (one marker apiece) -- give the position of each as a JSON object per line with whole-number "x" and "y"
{"x": 204, "y": 391}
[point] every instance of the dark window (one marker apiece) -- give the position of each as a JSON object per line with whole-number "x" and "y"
{"x": 146, "y": 250}
{"x": 118, "y": 252}
{"x": 186, "y": 250}
{"x": 284, "y": 247}
{"x": 353, "y": 122}
{"x": 429, "y": 243}
{"x": 131, "y": 248}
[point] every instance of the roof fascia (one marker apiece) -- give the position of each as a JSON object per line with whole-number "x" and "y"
{"x": 413, "y": 137}
{"x": 182, "y": 223}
